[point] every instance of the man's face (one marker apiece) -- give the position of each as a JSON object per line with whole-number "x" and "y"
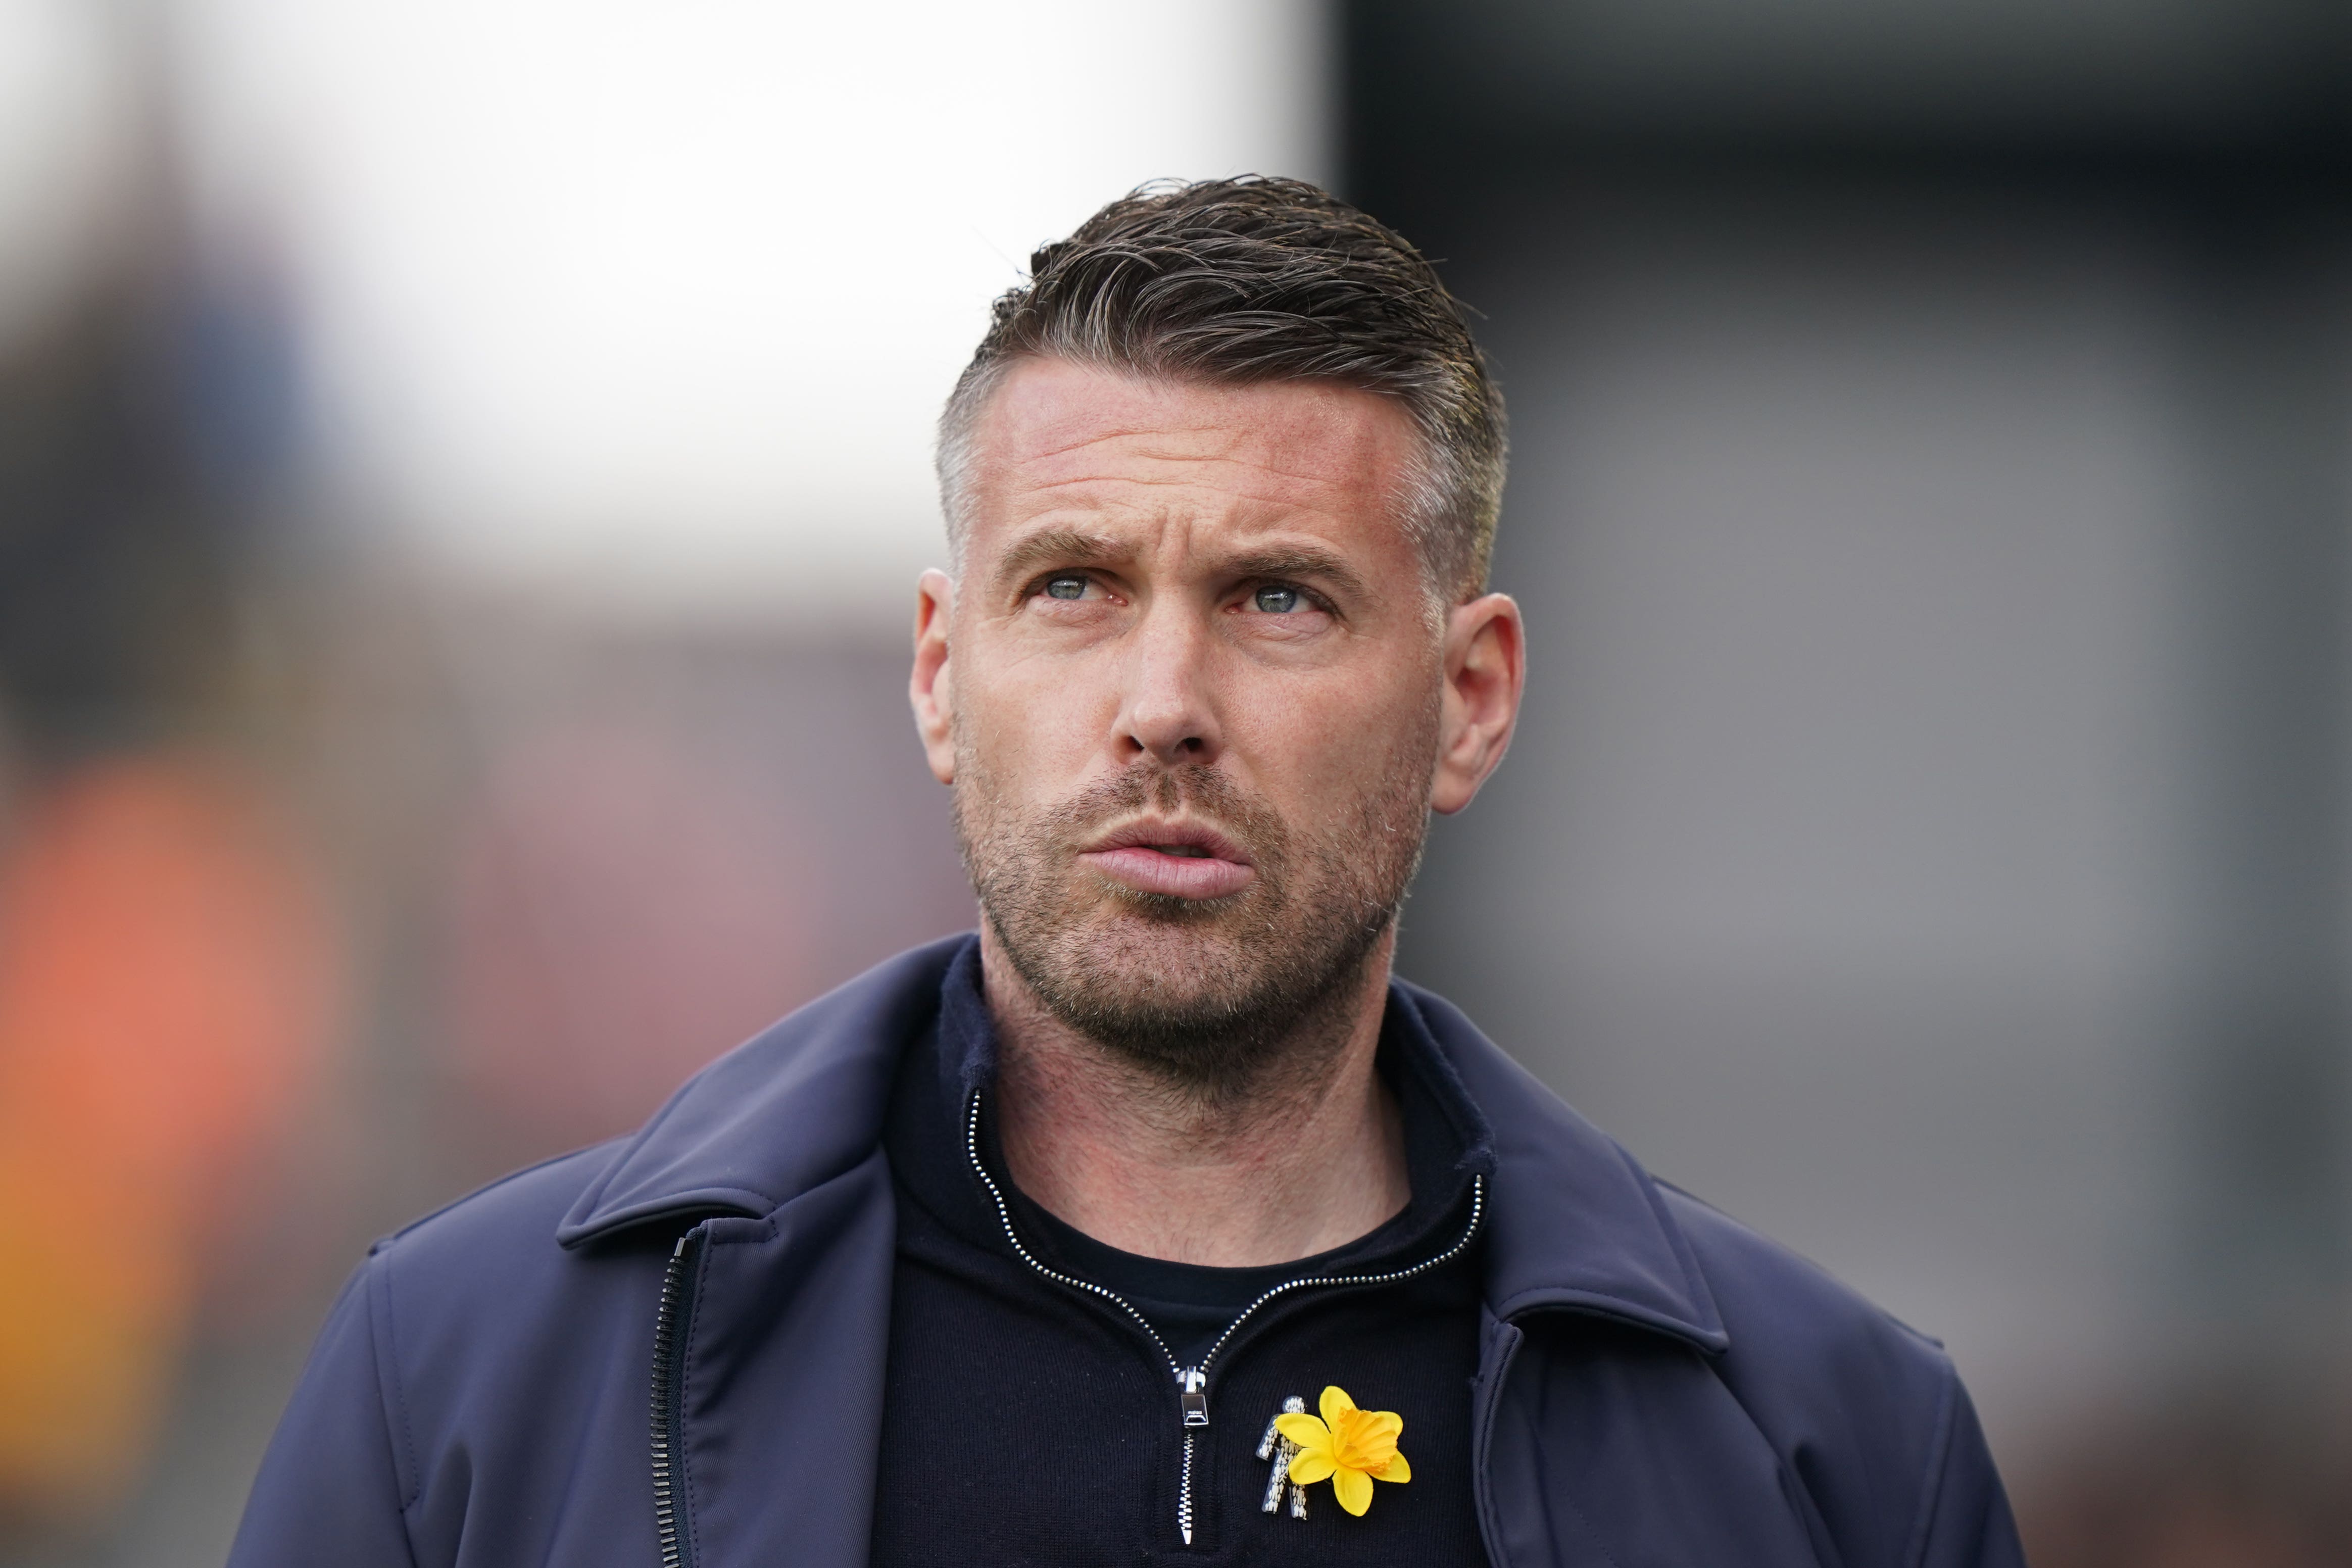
{"x": 1189, "y": 691}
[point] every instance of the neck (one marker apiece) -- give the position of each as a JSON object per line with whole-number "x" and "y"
{"x": 1308, "y": 1156}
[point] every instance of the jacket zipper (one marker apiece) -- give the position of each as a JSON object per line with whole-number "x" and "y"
{"x": 1193, "y": 1381}
{"x": 670, "y": 1325}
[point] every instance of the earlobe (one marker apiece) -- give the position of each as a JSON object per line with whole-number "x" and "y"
{"x": 930, "y": 687}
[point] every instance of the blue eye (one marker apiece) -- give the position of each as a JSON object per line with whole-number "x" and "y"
{"x": 1066, "y": 587}
{"x": 1278, "y": 600}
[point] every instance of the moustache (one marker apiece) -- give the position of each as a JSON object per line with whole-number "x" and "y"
{"x": 1198, "y": 789}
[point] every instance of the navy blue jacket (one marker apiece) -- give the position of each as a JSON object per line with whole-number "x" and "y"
{"x": 1658, "y": 1385}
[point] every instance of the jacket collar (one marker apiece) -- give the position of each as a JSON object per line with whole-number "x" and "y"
{"x": 787, "y": 1111}
{"x": 1573, "y": 1223}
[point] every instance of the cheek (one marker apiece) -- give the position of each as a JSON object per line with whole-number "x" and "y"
{"x": 1035, "y": 720}
{"x": 1344, "y": 737}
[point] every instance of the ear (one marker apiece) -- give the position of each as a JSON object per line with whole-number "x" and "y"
{"x": 1485, "y": 671}
{"x": 929, "y": 689}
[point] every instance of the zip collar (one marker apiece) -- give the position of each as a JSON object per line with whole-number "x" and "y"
{"x": 1572, "y": 1223}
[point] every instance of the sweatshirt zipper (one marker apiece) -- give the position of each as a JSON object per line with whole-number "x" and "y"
{"x": 1193, "y": 1381}
{"x": 670, "y": 1324}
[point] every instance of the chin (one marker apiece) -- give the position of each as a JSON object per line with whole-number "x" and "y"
{"x": 1144, "y": 949}
{"x": 1162, "y": 948}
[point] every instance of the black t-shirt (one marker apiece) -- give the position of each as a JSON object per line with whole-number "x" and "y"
{"x": 1030, "y": 1419}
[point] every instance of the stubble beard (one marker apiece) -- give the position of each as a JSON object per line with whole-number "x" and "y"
{"x": 1210, "y": 996}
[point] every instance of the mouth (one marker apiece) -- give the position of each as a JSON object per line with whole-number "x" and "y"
{"x": 1175, "y": 859}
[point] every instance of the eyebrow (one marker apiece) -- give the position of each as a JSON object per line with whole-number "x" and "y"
{"x": 1053, "y": 547}
{"x": 1299, "y": 561}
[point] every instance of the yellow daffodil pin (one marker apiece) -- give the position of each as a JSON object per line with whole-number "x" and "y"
{"x": 1354, "y": 1448}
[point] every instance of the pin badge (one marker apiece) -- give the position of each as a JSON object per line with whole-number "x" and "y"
{"x": 1282, "y": 1450}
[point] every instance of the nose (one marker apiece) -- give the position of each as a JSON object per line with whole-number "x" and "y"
{"x": 1166, "y": 712}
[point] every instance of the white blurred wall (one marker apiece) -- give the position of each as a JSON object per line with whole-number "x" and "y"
{"x": 68, "y": 150}
{"x": 654, "y": 306}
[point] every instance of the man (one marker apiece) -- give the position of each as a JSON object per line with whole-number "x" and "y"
{"x": 1157, "y": 1222}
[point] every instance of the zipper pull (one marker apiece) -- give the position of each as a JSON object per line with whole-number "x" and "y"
{"x": 1194, "y": 1386}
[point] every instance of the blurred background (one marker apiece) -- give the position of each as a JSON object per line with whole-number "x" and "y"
{"x": 463, "y": 464}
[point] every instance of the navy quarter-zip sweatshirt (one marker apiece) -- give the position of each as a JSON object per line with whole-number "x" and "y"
{"x": 1030, "y": 1419}
{"x": 1655, "y": 1384}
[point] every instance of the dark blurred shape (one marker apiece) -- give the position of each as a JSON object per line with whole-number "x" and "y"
{"x": 131, "y": 433}
{"x": 2112, "y": 82}
{"x": 1928, "y": 833}
{"x": 2266, "y": 1203}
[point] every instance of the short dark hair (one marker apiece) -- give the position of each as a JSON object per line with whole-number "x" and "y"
{"x": 1255, "y": 279}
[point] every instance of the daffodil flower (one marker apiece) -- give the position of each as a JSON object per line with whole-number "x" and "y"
{"x": 1353, "y": 1448}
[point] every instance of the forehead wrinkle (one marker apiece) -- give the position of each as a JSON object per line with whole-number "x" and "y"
{"x": 1215, "y": 500}
{"x": 1248, "y": 518}
{"x": 1213, "y": 443}
{"x": 1063, "y": 408}
{"x": 1322, "y": 494}
{"x": 1354, "y": 461}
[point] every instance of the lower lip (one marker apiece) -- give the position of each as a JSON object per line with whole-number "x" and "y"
{"x": 1177, "y": 876}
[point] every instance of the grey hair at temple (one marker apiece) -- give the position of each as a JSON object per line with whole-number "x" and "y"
{"x": 1257, "y": 280}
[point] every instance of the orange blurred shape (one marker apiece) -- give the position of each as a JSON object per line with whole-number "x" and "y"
{"x": 167, "y": 986}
